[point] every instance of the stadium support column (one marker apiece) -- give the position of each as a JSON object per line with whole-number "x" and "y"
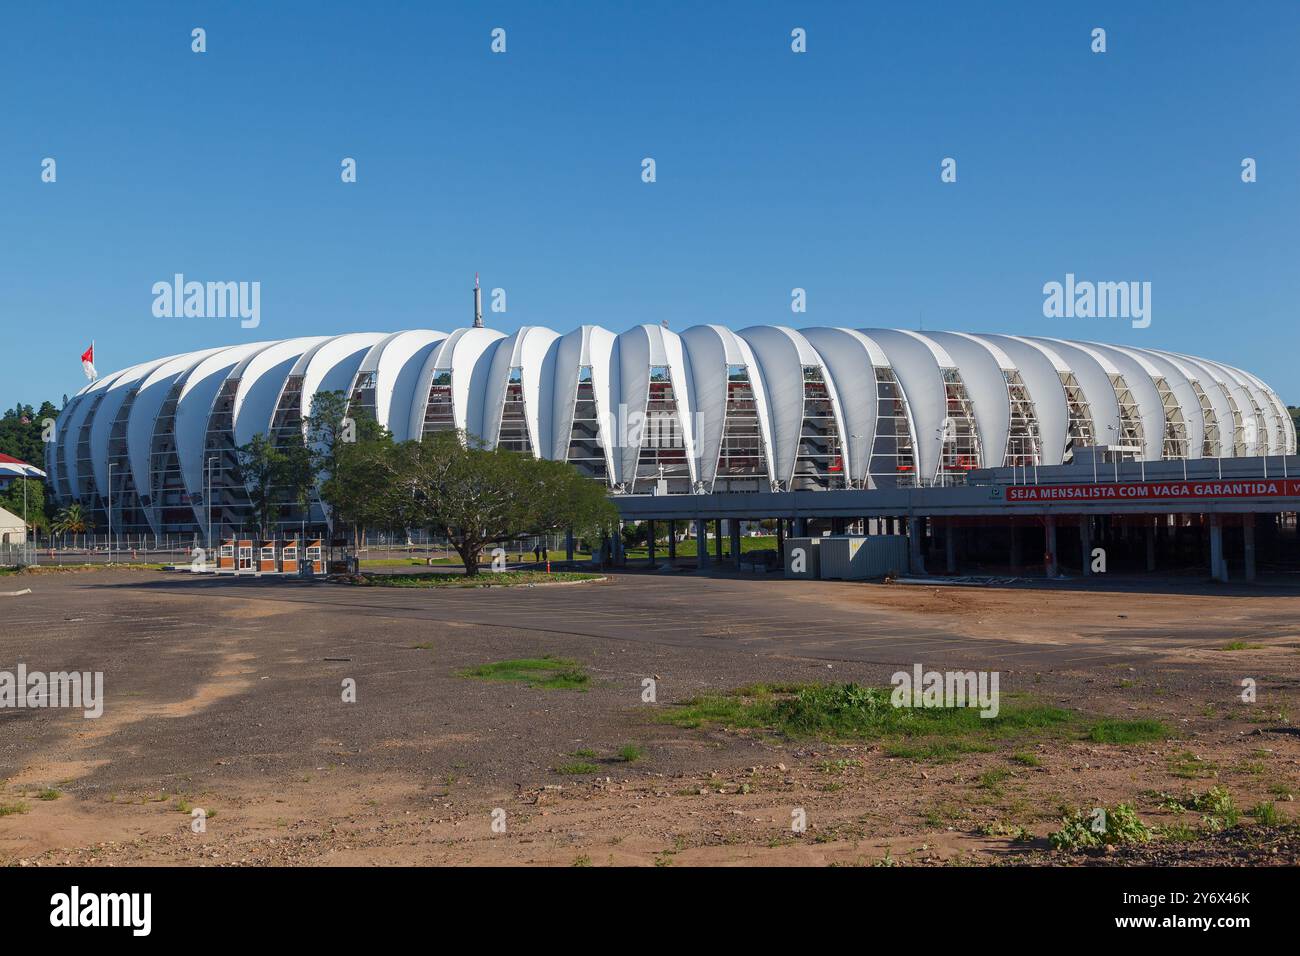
{"x": 1248, "y": 542}
{"x": 950, "y": 545}
{"x": 1216, "y": 549}
{"x": 1151, "y": 544}
{"x": 914, "y": 545}
{"x": 1085, "y": 543}
{"x": 717, "y": 540}
{"x": 1049, "y": 548}
{"x": 780, "y": 536}
{"x": 733, "y": 525}
{"x": 800, "y": 529}
{"x": 650, "y": 541}
{"x": 672, "y": 541}
{"x": 701, "y": 544}
{"x": 1017, "y": 559}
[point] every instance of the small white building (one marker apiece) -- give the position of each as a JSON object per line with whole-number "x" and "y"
{"x": 12, "y": 529}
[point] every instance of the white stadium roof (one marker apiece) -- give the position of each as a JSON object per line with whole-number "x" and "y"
{"x": 1170, "y": 404}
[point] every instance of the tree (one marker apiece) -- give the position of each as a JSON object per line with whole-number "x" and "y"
{"x": 354, "y": 458}
{"x": 73, "y": 520}
{"x": 474, "y": 497}
{"x": 34, "y": 506}
{"x": 264, "y": 470}
{"x": 358, "y": 490}
{"x": 20, "y": 432}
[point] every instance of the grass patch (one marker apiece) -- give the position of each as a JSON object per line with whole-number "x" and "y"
{"x": 853, "y": 712}
{"x": 8, "y": 809}
{"x": 1265, "y": 814}
{"x": 850, "y": 712}
{"x": 577, "y": 769}
{"x": 548, "y": 673}
{"x": 1188, "y": 766}
{"x": 49, "y": 793}
{"x": 1240, "y": 646}
{"x": 484, "y": 579}
{"x": 1128, "y": 731}
{"x": 1219, "y": 811}
{"x": 629, "y": 753}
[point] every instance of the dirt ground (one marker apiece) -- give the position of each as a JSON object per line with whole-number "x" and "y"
{"x": 225, "y": 696}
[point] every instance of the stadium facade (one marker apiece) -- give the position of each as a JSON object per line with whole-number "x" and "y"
{"x": 649, "y": 410}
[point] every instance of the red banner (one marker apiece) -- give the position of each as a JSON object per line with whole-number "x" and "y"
{"x": 1159, "y": 490}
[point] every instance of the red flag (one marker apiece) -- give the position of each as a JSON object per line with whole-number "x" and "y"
{"x": 88, "y": 362}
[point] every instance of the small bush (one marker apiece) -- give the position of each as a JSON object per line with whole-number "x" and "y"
{"x": 1091, "y": 829}
{"x": 1265, "y": 814}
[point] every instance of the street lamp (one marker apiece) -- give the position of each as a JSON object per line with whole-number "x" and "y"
{"x": 110, "y": 512}
{"x": 207, "y": 497}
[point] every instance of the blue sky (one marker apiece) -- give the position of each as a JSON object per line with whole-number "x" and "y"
{"x": 774, "y": 170}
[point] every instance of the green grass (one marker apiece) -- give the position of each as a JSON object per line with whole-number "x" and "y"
{"x": 54, "y": 568}
{"x": 484, "y": 579}
{"x": 1128, "y": 731}
{"x": 574, "y": 769}
{"x": 629, "y": 753}
{"x": 686, "y": 549}
{"x": 6, "y": 809}
{"x": 849, "y": 712}
{"x": 548, "y": 673}
{"x": 1265, "y": 814}
{"x": 453, "y": 560}
{"x": 49, "y": 793}
{"x": 853, "y": 712}
{"x": 1240, "y": 646}
{"x": 1188, "y": 766}
{"x": 586, "y": 752}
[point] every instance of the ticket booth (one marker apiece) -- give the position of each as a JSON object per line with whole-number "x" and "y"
{"x": 226, "y": 555}
{"x": 289, "y": 557}
{"x": 266, "y": 558}
{"x": 244, "y": 562}
{"x": 314, "y": 556}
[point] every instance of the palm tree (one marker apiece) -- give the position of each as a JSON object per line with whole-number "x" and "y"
{"x": 73, "y": 520}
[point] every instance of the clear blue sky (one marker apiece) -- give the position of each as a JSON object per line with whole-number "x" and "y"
{"x": 775, "y": 170}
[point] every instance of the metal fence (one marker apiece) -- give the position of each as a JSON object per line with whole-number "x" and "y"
{"x": 80, "y": 549}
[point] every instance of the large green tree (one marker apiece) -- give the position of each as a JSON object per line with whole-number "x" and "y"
{"x": 353, "y": 458}
{"x": 20, "y": 432}
{"x": 450, "y": 484}
{"x": 273, "y": 476}
{"x": 11, "y": 499}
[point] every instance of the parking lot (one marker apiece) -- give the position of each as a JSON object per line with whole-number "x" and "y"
{"x": 226, "y": 694}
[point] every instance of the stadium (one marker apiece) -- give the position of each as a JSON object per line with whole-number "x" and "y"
{"x": 709, "y": 411}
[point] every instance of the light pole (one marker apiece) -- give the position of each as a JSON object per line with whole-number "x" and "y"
{"x": 110, "y": 512}
{"x": 207, "y": 498}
